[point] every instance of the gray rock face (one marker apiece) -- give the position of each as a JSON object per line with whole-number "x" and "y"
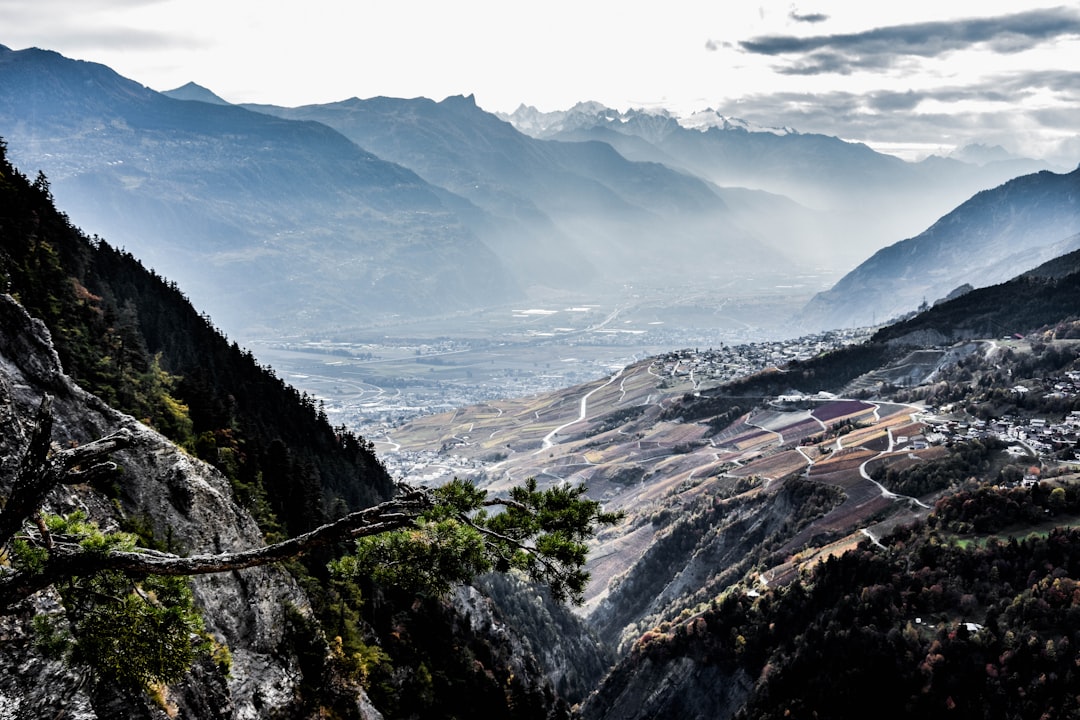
{"x": 180, "y": 498}
{"x": 680, "y": 688}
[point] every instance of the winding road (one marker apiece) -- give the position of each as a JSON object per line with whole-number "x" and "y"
{"x": 582, "y": 413}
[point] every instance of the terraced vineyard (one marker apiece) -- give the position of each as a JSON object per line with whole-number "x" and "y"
{"x": 608, "y": 435}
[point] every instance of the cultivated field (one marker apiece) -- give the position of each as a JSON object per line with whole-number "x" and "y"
{"x": 608, "y": 435}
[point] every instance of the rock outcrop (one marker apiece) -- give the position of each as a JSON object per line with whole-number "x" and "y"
{"x": 186, "y": 503}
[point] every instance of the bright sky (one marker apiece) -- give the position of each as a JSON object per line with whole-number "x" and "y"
{"x": 913, "y": 77}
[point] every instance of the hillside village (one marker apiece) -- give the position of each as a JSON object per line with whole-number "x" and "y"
{"x": 1044, "y": 437}
{"x": 687, "y": 370}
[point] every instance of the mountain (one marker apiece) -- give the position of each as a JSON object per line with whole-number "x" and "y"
{"x": 863, "y": 198}
{"x": 981, "y": 154}
{"x": 1034, "y": 299}
{"x": 568, "y": 212}
{"x": 264, "y": 222}
{"x": 192, "y": 91}
{"x": 168, "y": 494}
{"x": 225, "y": 452}
{"x": 433, "y": 208}
{"x": 988, "y": 239}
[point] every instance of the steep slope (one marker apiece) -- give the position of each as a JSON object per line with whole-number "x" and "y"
{"x": 170, "y": 495}
{"x": 755, "y": 649}
{"x": 1043, "y": 296}
{"x": 263, "y": 221}
{"x": 934, "y": 621}
{"x": 567, "y": 210}
{"x": 988, "y": 239}
{"x": 134, "y": 339}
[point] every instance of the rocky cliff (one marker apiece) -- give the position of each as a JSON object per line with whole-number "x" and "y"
{"x": 182, "y": 501}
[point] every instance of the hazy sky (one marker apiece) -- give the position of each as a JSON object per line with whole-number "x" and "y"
{"x": 916, "y": 76}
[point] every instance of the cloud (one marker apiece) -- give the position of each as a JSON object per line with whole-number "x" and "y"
{"x": 1063, "y": 83}
{"x": 894, "y": 101}
{"x": 1008, "y": 90}
{"x": 884, "y": 47}
{"x": 85, "y": 26}
{"x": 996, "y": 110}
{"x": 808, "y": 18}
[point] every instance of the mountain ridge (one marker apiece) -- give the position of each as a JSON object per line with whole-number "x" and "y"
{"x": 592, "y": 206}
{"x": 194, "y": 91}
{"x": 1023, "y": 222}
{"x": 258, "y": 195}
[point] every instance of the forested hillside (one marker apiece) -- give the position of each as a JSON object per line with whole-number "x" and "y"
{"x": 948, "y": 618}
{"x": 131, "y": 337}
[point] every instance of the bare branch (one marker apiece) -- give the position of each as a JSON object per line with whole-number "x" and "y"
{"x": 504, "y": 502}
{"x": 39, "y": 473}
{"x": 68, "y": 559}
{"x": 63, "y": 556}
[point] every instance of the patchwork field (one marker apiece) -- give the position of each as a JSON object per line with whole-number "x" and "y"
{"x": 608, "y": 435}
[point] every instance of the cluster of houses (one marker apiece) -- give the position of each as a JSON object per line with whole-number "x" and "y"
{"x": 1041, "y": 437}
{"x": 1065, "y": 386}
{"x": 730, "y": 362}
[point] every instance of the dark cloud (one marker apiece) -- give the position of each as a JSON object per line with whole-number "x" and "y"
{"x": 1007, "y": 90}
{"x": 894, "y": 101}
{"x": 883, "y": 47}
{"x": 1064, "y": 83}
{"x": 808, "y": 18}
{"x": 837, "y": 63}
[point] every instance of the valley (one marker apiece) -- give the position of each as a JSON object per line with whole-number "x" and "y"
{"x": 372, "y": 379}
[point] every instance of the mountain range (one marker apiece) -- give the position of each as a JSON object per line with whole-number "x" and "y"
{"x": 569, "y": 213}
{"x": 262, "y": 220}
{"x": 861, "y": 199}
{"x": 365, "y": 212}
